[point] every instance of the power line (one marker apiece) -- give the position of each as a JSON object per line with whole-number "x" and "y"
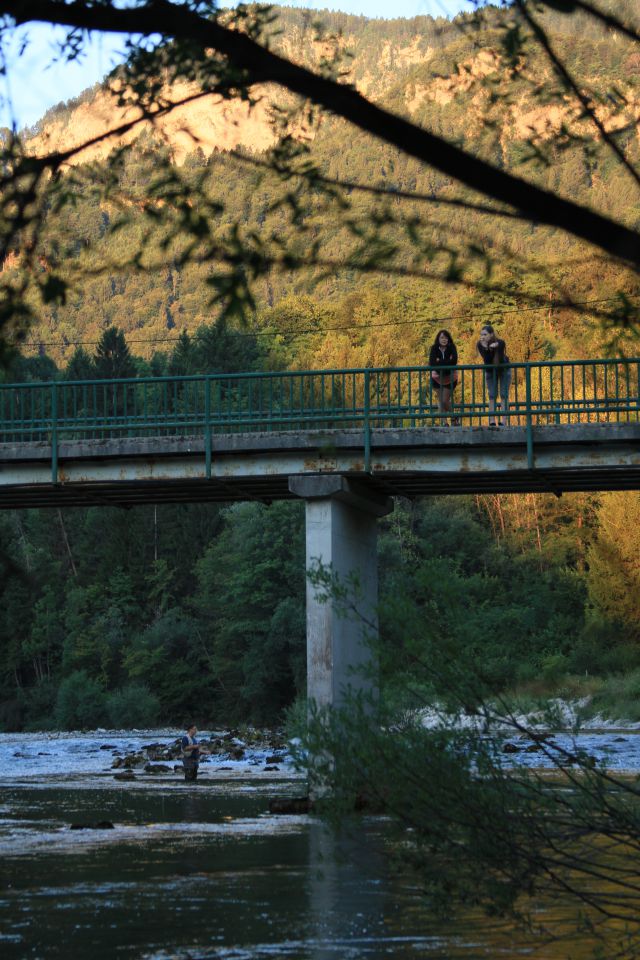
{"x": 311, "y": 331}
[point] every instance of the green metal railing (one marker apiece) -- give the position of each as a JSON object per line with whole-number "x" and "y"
{"x": 557, "y": 392}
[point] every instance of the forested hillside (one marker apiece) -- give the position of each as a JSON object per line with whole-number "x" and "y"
{"x": 455, "y": 81}
{"x": 154, "y": 614}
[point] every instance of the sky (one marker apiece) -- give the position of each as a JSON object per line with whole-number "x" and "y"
{"x": 32, "y": 83}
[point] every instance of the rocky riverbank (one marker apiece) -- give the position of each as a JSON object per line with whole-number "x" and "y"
{"x": 143, "y": 755}
{"x": 257, "y": 748}
{"x": 556, "y": 714}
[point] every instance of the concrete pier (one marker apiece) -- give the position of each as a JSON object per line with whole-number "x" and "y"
{"x": 341, "y": 538}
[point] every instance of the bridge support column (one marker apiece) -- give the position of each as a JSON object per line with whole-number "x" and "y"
{"x": 341, "y": 523}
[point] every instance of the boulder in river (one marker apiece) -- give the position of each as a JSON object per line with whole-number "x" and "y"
{"x": 133, "y": 760}
{"x": 98, "y": 825}
{"x": 290, "y": 805}
{"x": 158, "y": 751}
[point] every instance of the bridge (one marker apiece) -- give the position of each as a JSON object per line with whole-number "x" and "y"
{"x": 571, "y": 426}
{"x": 346, "y": 441}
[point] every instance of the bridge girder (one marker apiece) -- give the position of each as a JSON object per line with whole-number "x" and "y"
{"x": 407, "y": 463}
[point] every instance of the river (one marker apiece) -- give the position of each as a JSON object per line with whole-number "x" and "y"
{"x": 205, "y": 871}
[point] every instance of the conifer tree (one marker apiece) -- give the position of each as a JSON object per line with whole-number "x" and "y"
{"x": 113, "y": 358}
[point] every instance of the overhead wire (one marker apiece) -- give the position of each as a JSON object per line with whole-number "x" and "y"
{"x": 320, "y": 331}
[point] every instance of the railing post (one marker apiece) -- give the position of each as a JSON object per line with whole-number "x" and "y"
{"x": 367, "y": 423}
{"x": 207, "y": 428}
{"x": 54, "y": 434}
{"x": 529, "y": 423}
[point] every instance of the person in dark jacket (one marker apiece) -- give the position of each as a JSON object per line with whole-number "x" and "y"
{"x": 191, "y": 752}
{"x": 443, "y": 353}
{"x": 497, "y": 372}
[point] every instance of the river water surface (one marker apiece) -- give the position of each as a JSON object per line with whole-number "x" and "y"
{"x": 204, "y": 871}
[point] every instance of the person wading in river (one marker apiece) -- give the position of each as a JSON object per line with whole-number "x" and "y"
{"x": 191, "y": 753}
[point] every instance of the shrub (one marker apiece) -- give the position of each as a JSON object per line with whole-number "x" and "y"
{"x": 295, "y": 718}
{"x": 619, "y": 697}
{"x": 133, "y": 706}
{"x": 604, "y": 648}
{"x": 554, "y": 666}
{"x": 11, "y": 715}
{"x": 39, "y": 705}
{"x": 80, "y": 703}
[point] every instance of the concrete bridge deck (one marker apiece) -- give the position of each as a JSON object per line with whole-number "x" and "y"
{"x": 407, "y": 462}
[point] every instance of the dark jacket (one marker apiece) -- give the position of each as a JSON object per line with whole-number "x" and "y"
{"x": 447, "y": 359}
{"x": 194, "y": 754}
{"x": 497, "y": 355}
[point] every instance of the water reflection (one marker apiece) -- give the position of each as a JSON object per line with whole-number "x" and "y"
{"x": 208, "y": 873}
{"x": 201, "y": 875}
{"x": 342, "y": 872}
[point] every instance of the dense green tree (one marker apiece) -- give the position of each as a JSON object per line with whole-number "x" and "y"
{"x": 183, "y": 360}
{"x": 614, "y": 561}
{"x": 81, "y": 366}
{"x": 250, "y": 604}
{"x": 98, "y": 621}
{"x": 24, "y": 369}
{"x": 113, "y": 358}
{"x": 46, "y": 635}
{"x": 450, "y": 591}
{"x": 170, "y": 656}
{"x": 219, "y": 349}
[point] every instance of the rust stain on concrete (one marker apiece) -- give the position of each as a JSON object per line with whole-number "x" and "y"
{"x": 320, "y": 465}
